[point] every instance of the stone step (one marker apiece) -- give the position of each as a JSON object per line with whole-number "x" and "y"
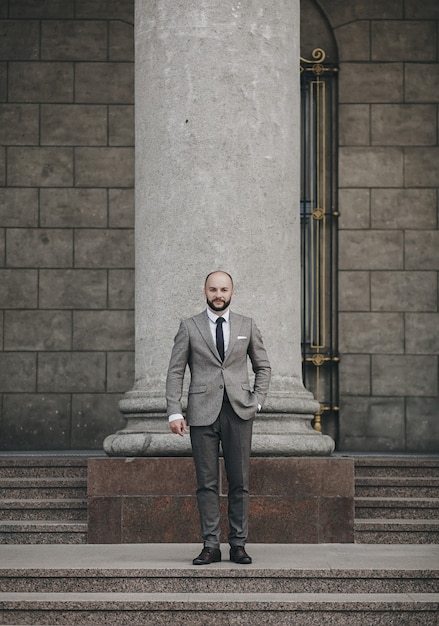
{"x": 394, "y": 531}
{"x": 276, "y": 568}
{"x": 42, "y": 467}
{"x": 42, "y": 532}
{"x": 219, "y": 608}
{"x": 43, "y": 500}
{"x": 396, "y": 487}
{"x": 397, "y": 508}
{"x": 49, "y": 509}
{"x": 397, "y": 466}
{"x": 45, "y": 488}
{"x": 155, "y": 584}
{"x": 203, "y": 580}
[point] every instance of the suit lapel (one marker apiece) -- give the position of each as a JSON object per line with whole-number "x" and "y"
{"x": 202, "y": 323}
{"x": 235, "y": 326}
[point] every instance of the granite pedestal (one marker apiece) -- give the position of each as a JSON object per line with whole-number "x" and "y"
{"x": 152, "y": 500}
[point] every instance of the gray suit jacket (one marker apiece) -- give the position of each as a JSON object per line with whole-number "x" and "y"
{"x": 194, "y": 346}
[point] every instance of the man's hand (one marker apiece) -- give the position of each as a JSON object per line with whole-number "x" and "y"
{"x": 178, "y": 427}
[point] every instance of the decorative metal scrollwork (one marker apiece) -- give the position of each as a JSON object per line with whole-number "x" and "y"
{"x": 315, "y": 65}
{"x": 318, "y": 214}
{"x": 319, "y": 225}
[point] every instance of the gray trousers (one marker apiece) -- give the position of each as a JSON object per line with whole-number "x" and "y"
{"x": 235, "y": 436}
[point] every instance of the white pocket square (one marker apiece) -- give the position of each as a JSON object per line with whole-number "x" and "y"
{"x": 241, "y": 337}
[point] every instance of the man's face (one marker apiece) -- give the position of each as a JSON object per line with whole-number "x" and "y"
{"x": 218, "y": 292}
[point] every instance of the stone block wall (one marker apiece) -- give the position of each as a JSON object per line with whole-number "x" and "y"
{"x": 389, "y": 237}
{"x": 66, "y": 221}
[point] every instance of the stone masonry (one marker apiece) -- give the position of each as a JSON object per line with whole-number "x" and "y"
{"x": 66, "y": 217}
{"x": 66, "y": 221}
{"x": 389, "y": 238}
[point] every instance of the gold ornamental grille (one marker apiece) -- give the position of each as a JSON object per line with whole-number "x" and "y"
{"x": 319, "y": 237}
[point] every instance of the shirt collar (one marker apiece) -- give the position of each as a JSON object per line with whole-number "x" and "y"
{"x": 213, "y": 316}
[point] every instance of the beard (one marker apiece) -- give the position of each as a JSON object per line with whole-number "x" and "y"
{"x": 218, "y": 307}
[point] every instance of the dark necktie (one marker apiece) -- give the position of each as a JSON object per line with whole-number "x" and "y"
{"x": 220, "y": 337}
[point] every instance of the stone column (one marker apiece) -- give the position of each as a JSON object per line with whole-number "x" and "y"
{"x": 217, "y": 187}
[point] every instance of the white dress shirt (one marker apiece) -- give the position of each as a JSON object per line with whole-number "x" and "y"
{"x": 226, "y": 327}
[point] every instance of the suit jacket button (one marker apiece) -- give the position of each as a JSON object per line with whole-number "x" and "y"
{"x": 221, "y": 386}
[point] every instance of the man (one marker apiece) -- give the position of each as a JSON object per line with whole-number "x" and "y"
{"x": 216, "y": 345}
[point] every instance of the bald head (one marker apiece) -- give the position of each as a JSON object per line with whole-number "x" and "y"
{"x": 218, "y": 289}
{"x": 218, "y": 272}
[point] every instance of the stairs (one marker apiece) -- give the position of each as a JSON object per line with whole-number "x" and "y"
{"x": 65, "y": 582}
{"x": 397, "y": 500}
{"x": 43, "y": 500}
{"x": 154, "y": 584}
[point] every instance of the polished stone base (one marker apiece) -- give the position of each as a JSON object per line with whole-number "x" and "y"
{"x": 152, "y": 500}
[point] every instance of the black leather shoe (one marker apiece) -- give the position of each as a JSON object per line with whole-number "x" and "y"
{"x": 208, "y": 555}
{"x": 239, "y": 555}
